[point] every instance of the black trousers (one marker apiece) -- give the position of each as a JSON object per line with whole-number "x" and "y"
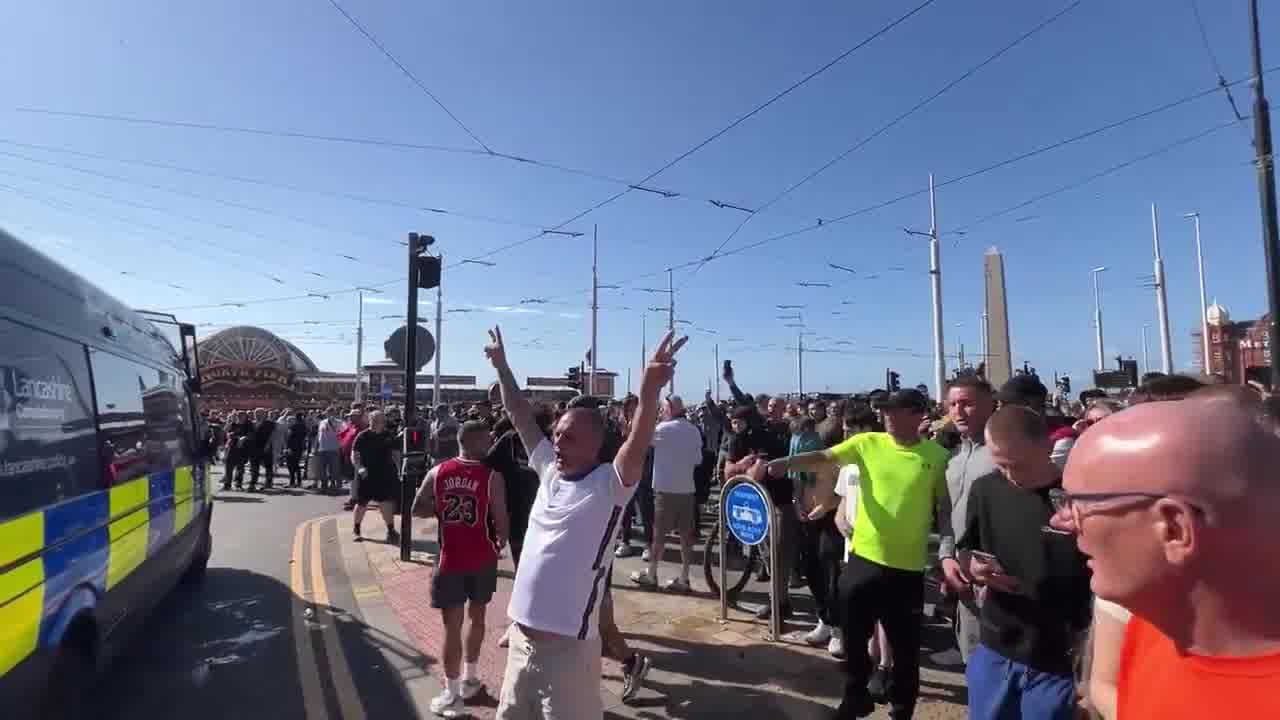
{"x": 235, "y": 470}
{"x": 293, "y": 461}
{"x": 821, "y": 549}
{"x": 263, "y": 461}
{"x": 872, "y": 593}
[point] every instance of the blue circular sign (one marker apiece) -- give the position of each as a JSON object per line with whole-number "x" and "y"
{"x": 747, "y": 513}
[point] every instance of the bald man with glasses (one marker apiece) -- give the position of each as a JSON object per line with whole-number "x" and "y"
{"x": 1176, "y": 505}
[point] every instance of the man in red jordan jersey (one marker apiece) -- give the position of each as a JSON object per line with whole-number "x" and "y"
{"x": 466, "y": 496}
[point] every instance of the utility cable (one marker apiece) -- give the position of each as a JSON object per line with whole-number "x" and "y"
{"x": 888, "y": 126}
{"x": 408, "y": 73}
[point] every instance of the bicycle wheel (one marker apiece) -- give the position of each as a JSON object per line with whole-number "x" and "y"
{"x": 742, "y": 561}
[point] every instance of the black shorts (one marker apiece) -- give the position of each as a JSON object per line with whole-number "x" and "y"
{"x": 450, "y": 590}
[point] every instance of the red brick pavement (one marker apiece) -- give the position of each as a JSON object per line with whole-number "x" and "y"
{"x": 408, "y": 593}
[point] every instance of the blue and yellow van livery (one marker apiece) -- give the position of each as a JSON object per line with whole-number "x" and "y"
{"x": 105, "y": 504}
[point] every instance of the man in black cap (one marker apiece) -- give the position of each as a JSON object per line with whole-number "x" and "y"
{"x": 902, "y": 489}
{"x": 1027, "y": 390}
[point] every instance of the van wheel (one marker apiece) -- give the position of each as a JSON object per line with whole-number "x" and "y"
{"x": 70, "y": 680}
{"x": 195, "y": 572}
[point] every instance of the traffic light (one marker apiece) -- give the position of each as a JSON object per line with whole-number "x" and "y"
{"x": 426, "y": 268}
{"x": 895, "y": 383}
{"x": 575, "y": 377}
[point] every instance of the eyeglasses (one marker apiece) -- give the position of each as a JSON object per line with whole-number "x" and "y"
{"x": 1065, "y": 502}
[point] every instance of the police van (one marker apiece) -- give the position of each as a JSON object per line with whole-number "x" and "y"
{"x": 105, "y": 505}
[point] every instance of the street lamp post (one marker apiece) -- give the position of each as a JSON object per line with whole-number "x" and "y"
{"x": 1162, "y": 304}
{"x": 1204, "y": 307}
{"x": 1097, "y": 315}
{"x": 1146, "y": 355}
{"x": 935, "y": 275}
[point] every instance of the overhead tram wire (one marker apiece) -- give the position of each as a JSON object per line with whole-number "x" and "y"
{"x": 879, "y": 205}
{"x": 888, "y": 126}
{"x": 188, "y": 194}
{"x": 629, "y": 187}
{"x": 67, "y": 209}
{"x": 719, "y": 133}
{"x": 409, "y": 74}
{"x": 1217, "y": 67}
{"x": 181, "y": 216}
{"x": 163, "y": 234}
{"x": 354, "y": 197}
{"x": 951, "y": 181}
{"x": 1187, "y": 140}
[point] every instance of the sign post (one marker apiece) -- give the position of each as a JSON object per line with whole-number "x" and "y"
{"x": 747, "y": 511}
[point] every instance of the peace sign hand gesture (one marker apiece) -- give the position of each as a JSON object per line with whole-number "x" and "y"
{"x": 662, "y": 365}
{"x": 495, "y": 350}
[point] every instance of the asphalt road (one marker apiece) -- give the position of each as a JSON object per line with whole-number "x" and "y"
{"x": 226, "y": 648}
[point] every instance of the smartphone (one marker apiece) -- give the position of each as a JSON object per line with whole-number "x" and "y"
{"x": 988, "y": 558}
{"x": 728, "y": 367}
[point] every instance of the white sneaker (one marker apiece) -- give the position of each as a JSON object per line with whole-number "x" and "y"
{"x": 505, "y": 640}
{"x": 471, "y": 687}
{"x": 836, "y": 646}
{"x": 646, "y": 555}
{"x": 644, "y": 579}
{"x": 445, "y": 704}
{"x": 819, "y": 635}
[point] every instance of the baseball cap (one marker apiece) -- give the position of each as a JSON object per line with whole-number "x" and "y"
{"x": 1023, "y": 390}
{"x": 905, "y": 399}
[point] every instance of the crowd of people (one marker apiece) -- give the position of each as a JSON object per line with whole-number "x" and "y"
{"x": 1102, "y": 557}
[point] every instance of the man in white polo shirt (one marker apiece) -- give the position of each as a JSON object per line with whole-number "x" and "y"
{"x": 553, "y": 660}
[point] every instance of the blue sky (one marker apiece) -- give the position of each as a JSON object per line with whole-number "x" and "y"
{"x": 618, "y": 90}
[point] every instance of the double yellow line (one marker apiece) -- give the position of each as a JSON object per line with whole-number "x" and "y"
{"x": 313, "y": 596}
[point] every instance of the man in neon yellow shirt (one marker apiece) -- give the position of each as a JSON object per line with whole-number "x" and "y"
{"x": 902, "y": 489}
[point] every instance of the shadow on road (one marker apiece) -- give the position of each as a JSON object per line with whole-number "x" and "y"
{"x": 238, "y": 499}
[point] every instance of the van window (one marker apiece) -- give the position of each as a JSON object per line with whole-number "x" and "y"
{"x": 143, "y": 418}
{"x": 47, "y": 450}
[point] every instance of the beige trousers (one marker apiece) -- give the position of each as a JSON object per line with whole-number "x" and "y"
{"x": 550, "y": 677}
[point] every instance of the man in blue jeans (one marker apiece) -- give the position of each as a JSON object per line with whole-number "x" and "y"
{"x": 1036, "y": 601}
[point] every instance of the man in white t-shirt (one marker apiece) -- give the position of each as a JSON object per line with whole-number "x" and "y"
{"x": 553, "y": 659}
{"x": 677, "y": 451}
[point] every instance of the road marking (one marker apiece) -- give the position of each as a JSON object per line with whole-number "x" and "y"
{"x": 339, "y": 669}
{"x": 308, "y": 672}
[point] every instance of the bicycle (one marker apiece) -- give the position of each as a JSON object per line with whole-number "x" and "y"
{"x": 744, "y": 560}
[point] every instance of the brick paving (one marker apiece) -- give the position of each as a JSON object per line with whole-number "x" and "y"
{"x": 702, "y": 668}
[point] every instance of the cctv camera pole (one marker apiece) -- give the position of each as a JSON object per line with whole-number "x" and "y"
{"x": 1267, "y": 196}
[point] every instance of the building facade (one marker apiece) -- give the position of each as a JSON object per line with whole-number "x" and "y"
{"x": 1239, "y": 352}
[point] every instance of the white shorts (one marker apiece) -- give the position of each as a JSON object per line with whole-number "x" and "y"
{"x": 551, "y": 678}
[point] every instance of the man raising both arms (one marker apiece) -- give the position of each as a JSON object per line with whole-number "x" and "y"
{"x": 466, "y": 495}
{"x": 565, "y": 566}
{"x": 902, "y": 486}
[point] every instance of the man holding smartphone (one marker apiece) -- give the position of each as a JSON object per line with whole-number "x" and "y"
{"x": 1035, "y": 584}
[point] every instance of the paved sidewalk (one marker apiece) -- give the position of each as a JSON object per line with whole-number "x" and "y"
{"x": 701, "y": 667}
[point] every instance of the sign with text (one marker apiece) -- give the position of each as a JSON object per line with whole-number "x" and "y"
{"x": 746, "y": 513}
